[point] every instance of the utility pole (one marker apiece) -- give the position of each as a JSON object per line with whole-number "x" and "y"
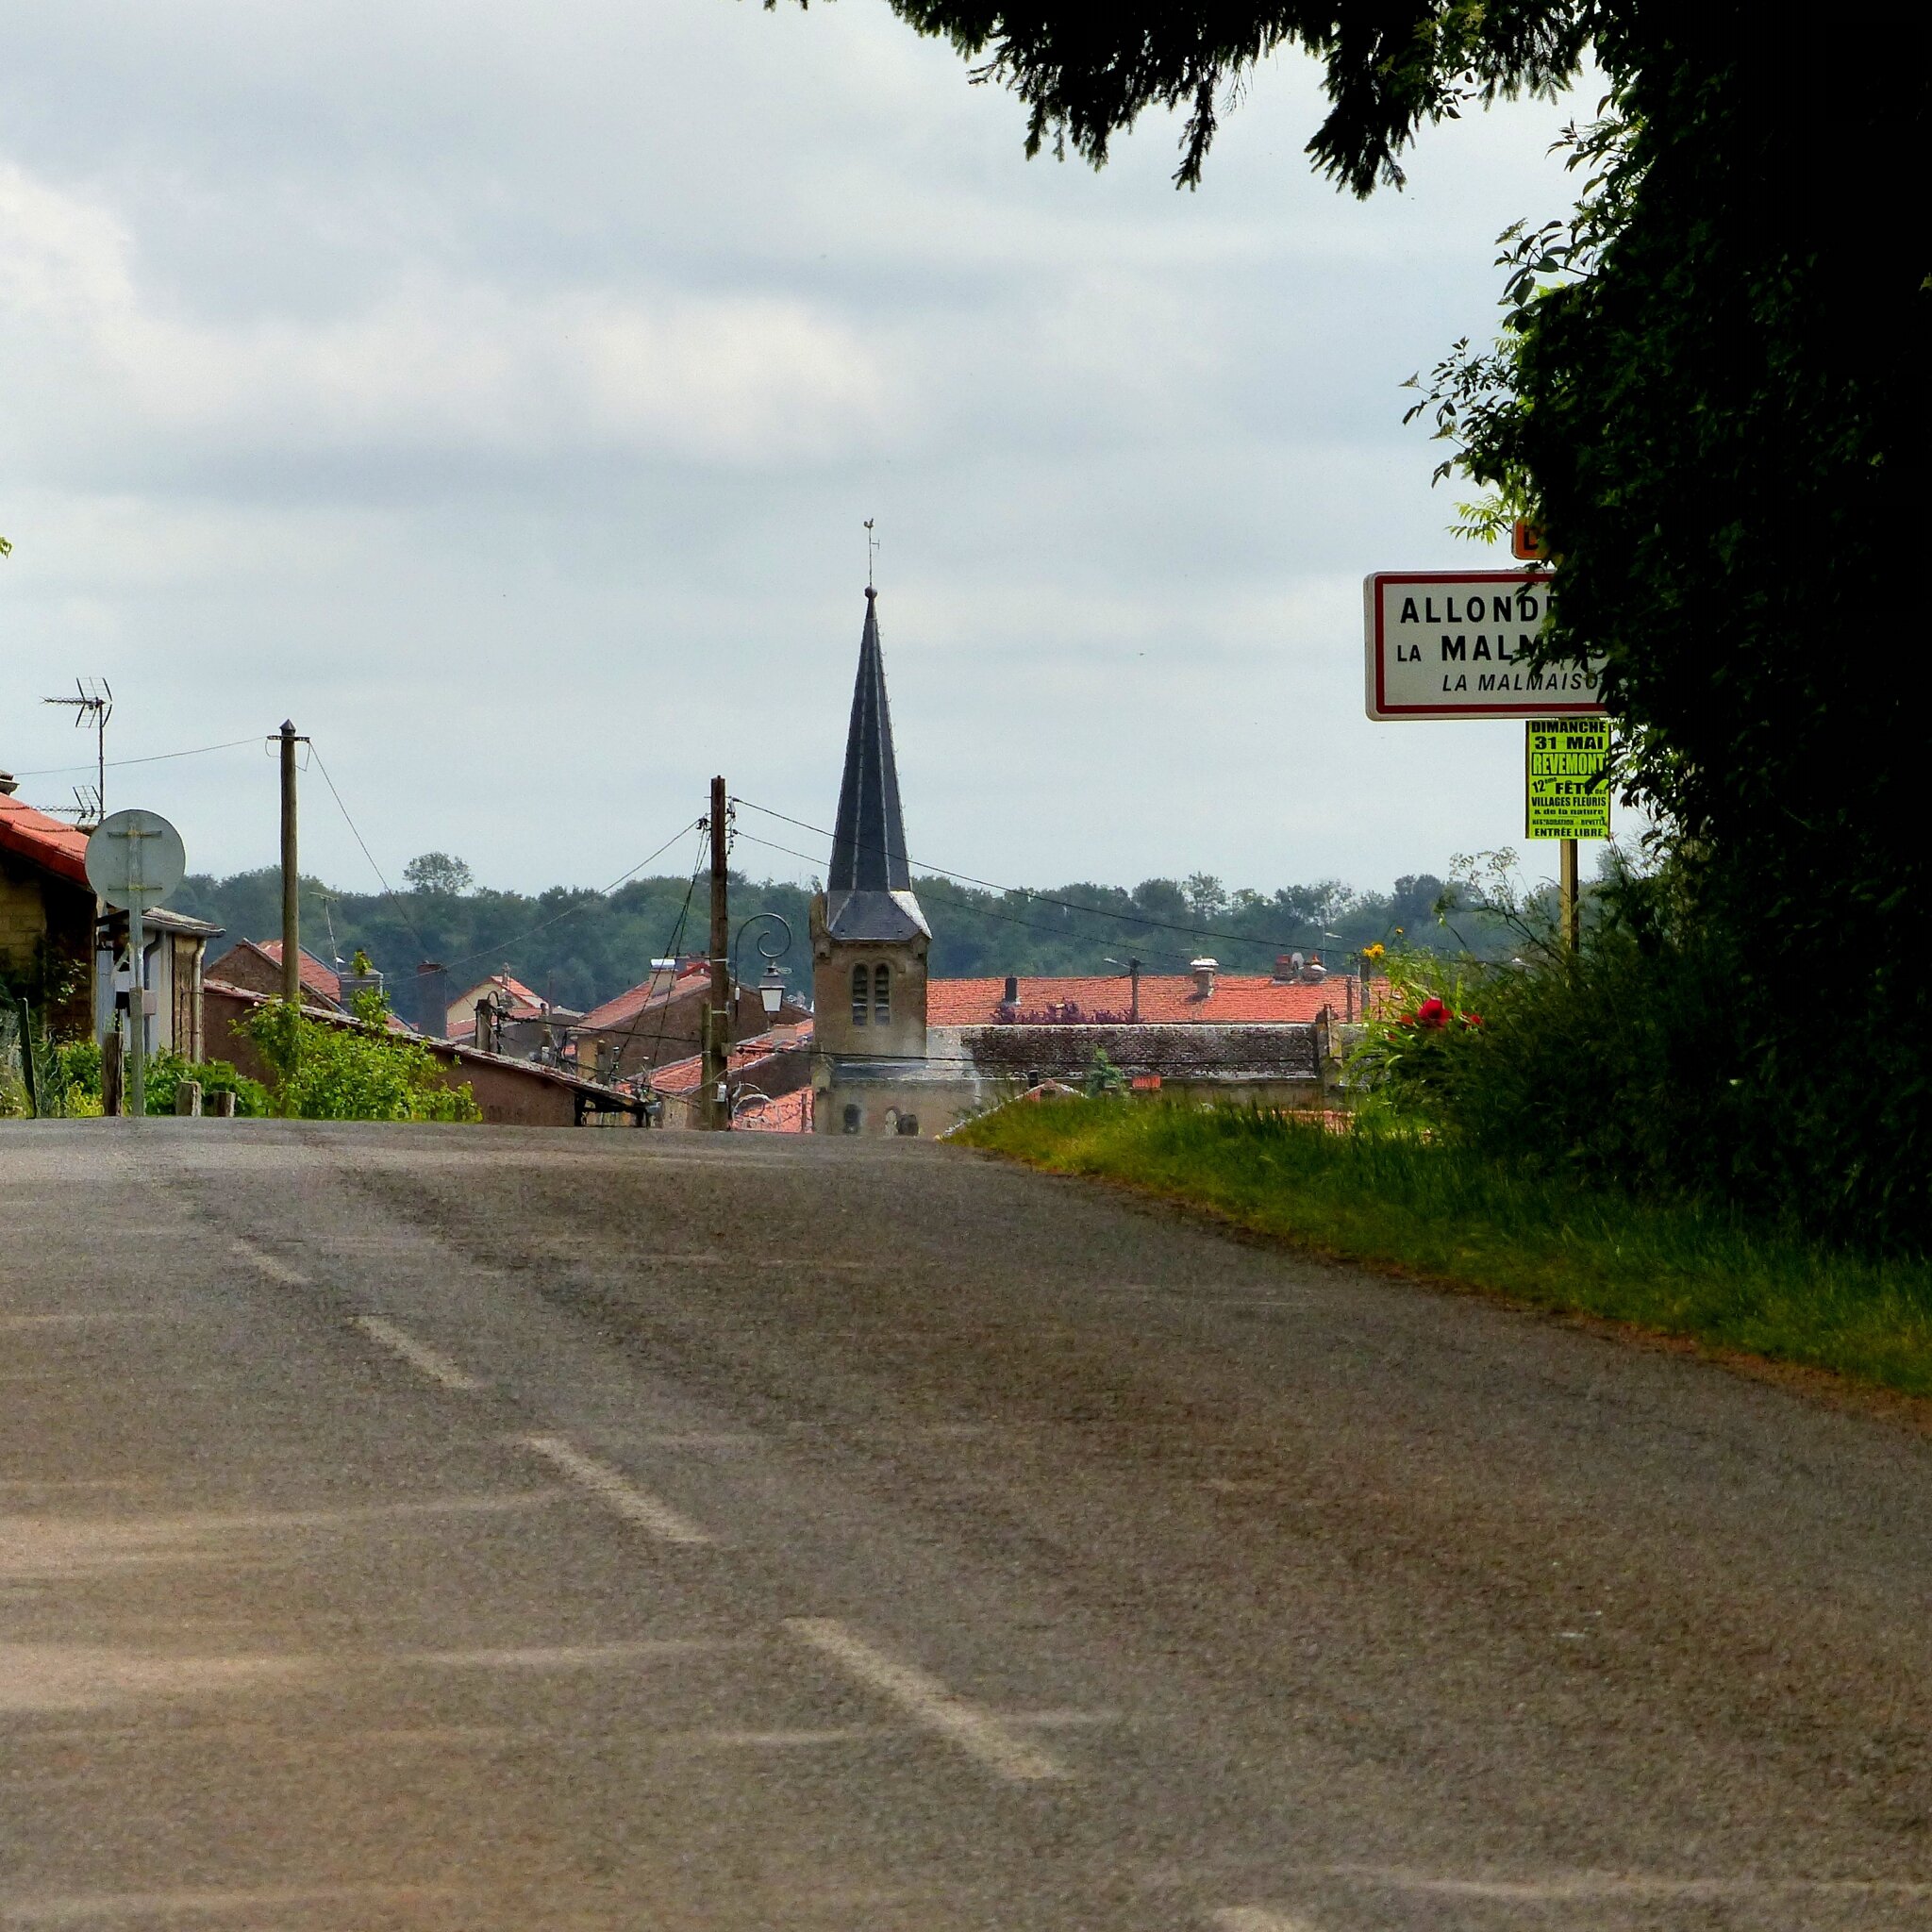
{"x": 292, "y": 914}
{"x": 1569, "y": 900}
{"x": 716, "y": 1112}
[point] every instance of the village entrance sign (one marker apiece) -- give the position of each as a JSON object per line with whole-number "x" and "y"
{"x": 135, "y": 859}
{"x": 1457, "y": 643}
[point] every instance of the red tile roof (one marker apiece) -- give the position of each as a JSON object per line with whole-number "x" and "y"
{"x": 627, "y": 1004}
{"x": 1166, "y": 998}
{"x": 791, "y": 1113}
{"x": 682, "y": 1076}
{"x": 523, "y": 1002}
{"x": 309, "y": 970}
{"x": 60, "y": 849}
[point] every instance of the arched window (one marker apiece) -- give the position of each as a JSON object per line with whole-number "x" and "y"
{"x": 882, "y": 994}
{"x": 852, "y": 1120}
{"x": 860, "y": 978}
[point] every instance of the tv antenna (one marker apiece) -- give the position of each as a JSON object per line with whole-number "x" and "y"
{"x": 93, "y": 703}
{"x": 871, "y": 553}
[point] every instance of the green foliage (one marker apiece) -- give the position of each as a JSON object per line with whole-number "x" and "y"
{"x": 1706, "y": 395}
{"x": 1529, "y": 1229}
{"x": 360, "y": 1072}
{"x": 1087, "y": 74}
{"x": 580, "y": 948}
{"x": 166, "y": 1070}
{"x": 1103, "y": 1077}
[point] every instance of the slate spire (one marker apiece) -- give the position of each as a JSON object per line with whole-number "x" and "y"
{"x": 868, "y": 838}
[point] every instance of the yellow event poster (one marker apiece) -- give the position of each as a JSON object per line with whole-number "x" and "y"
{"x": 1567, "y": 796}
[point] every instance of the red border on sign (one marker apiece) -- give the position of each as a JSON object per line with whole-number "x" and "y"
{"x": 1534, "y": 705}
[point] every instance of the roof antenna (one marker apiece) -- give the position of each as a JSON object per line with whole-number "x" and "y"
{"x": 871, "y": 554}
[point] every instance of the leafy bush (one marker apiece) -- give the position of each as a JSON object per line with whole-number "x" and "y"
{"x": 361, "y": 1072}
{"x": 166, "y": 1071}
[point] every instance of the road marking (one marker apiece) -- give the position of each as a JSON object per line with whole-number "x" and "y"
{"x": 1565, "y": 1886}
{"x": 419, "y": 1355}
{"x": 609, "y": 1486}
{"x": 275, "y": 1269}
{"x": 563, "y": 1657}
{"x": 923, "y": 1698}
{"x": 1253, "y": 1919}
{"x": 91, "y": 1315}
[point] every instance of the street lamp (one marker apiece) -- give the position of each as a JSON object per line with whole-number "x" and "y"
{"x": 771, "y": 949}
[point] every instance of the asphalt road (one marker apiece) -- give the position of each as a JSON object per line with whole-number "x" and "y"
{"x": 507, "y": 1531}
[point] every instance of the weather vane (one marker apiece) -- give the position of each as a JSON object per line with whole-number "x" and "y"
{"x": 871, "y": 553}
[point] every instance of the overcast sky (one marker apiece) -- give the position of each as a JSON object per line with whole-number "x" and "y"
{"x": 498, "y": 391}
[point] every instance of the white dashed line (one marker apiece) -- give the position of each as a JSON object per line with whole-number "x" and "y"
{"x": 1253, "y": 1919}
{"x": 275, "y": 1269}
{"x": 419, "y": 1355}
{"x": 979, "y": 1732}
{"x": 616, "y": 1489}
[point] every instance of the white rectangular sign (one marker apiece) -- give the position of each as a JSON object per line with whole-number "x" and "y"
{"x": 1457, "y": 645}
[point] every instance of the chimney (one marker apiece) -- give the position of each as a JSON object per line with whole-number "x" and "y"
{"x": 662, "y": 973}
{"x": 1203, "y": 971}
{"x": 1288, "y": 966}
{"x": 8, "y": 784}
{"x": 432, "y": 1000}
{"x": 1314, "y": 972}
{"x": 1011, "y": 995}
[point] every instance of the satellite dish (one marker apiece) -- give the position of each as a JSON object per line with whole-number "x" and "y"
{"x": 135, "y": 859}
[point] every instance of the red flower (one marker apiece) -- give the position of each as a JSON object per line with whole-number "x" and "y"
{"x": 1432, "y": 1012}
{"x": 1472, "y": 1019}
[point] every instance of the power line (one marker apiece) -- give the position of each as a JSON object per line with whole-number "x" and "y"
{"x": 1200, "y": 932}
{"x": 151, "y": 758}
{"x": 316, "y": 755}
{"x": 572, "y": 911}
{"x": 1007, "y": 918}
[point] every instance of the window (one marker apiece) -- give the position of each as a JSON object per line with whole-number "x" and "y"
{"x": 860, "y": 975}
{"x": 852, "y": 1118}
{"x": 881, "y": 994}
{"x": 908, "y": 1124}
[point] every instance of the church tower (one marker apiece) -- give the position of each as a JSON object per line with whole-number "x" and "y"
{"x": 869, "y": 939}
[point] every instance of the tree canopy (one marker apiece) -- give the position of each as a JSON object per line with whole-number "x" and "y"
{"x": 1705, "y": 394}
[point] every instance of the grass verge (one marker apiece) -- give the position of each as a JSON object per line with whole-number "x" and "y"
{"x": 1697, "y": 1272}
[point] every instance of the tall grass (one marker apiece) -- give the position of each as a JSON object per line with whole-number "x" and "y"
{"x": 1682, "y": 1267}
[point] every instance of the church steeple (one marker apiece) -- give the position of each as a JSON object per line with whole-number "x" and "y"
{"x": 869, "y": 839}
{"x": 869, "y": 939}
{"x": 868, "y": 887}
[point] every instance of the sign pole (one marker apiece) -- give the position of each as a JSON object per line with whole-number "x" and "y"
{"x": 1570, "y": 901}
{"x": 137, "y": 1015}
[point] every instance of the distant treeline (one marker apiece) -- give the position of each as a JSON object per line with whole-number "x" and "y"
{"x": 578, "y": 947}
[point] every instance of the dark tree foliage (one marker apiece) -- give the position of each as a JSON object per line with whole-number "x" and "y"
{"x": 1709, "y": 414}
{"x": 578, "y": 947}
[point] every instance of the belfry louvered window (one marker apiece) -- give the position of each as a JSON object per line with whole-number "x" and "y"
{"x": 882, "y": 994}
{"x": 862, "y": 979}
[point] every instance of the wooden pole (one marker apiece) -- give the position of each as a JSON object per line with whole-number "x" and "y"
{"x": 291, "y": 914}
{"x": 716, "y": 1111}
{"x": 1569, "y": 899}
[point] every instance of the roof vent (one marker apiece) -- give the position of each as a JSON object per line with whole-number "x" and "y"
{"x": 1204, "y": 972}
{"x": 8, "y": 784}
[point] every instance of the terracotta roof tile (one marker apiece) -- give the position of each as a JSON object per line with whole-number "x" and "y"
{"x": 627, "y": 1004}
{"x": 1169, "y": 998}
{"x": 311, "y": 972}
{"x": 62, "y": 849}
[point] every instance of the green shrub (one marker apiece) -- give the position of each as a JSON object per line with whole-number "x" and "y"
{"x": 361, "y": 1072}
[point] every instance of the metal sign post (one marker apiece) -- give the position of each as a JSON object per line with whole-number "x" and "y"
{"x": 134, "y": 859}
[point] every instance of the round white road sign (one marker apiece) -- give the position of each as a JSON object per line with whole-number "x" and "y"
{"x": 135, "y": 859}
